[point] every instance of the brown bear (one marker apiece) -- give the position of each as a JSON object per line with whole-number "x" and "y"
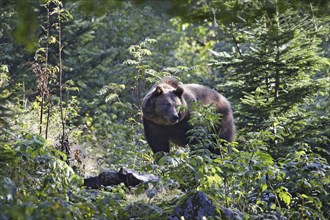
{"x": 166, "y": 114}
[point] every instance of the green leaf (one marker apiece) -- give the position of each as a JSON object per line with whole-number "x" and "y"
{"x": 6, "y": 153}
{"x": 284, "y": 195}
{"x": 263, "y": 187}
{"x": 304, "y": 196}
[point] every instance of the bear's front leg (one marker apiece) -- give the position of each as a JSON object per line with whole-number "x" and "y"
{"x": 156, "y": 137}
{"x": 158, "y": 144}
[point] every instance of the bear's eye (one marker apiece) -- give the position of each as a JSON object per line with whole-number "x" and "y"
{"x": 166, "y": 105}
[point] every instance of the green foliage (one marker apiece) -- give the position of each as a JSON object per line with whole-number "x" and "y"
{"x": 4, "y": 96}
{"x": 270, "y": 58}
{"x": 33, "y": 175}
{"x": 270, "y": 77}
{"x": 204, "y": 121}
{"x": 33, "y": 163}
{"x": 252, "y": 183}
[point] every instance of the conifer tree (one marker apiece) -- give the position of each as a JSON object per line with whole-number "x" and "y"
{"x": 271, "y": 73}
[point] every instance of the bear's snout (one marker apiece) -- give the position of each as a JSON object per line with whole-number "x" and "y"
{"x": 174, "y": 118}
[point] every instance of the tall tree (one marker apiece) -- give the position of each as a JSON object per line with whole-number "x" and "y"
{"x": 272, "y": 70}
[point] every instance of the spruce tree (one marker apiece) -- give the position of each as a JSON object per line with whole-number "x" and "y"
{"x": 275, "y": 68}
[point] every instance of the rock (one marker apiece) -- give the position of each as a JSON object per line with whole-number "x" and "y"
{"x": 126, "y": 176}
{"x": 195, "y": 207}
{"x": 133, "y": 178}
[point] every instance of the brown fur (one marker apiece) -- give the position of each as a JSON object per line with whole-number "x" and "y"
{"x": 165, "y": 120}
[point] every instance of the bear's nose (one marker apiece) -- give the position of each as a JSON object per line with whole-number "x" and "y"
{"x": 175, "y": 118}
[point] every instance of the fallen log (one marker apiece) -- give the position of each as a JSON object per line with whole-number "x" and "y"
{"x": 127, "y": 176}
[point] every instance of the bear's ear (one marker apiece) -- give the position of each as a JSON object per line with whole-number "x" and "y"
{"x": 157, "y": 91}
{"x": 179, "y": 91}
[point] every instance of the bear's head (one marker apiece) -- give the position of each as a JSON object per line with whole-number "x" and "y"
{"x": 164, "y": 105}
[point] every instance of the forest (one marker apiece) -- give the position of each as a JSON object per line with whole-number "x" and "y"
{"x": 72, "y": 78}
